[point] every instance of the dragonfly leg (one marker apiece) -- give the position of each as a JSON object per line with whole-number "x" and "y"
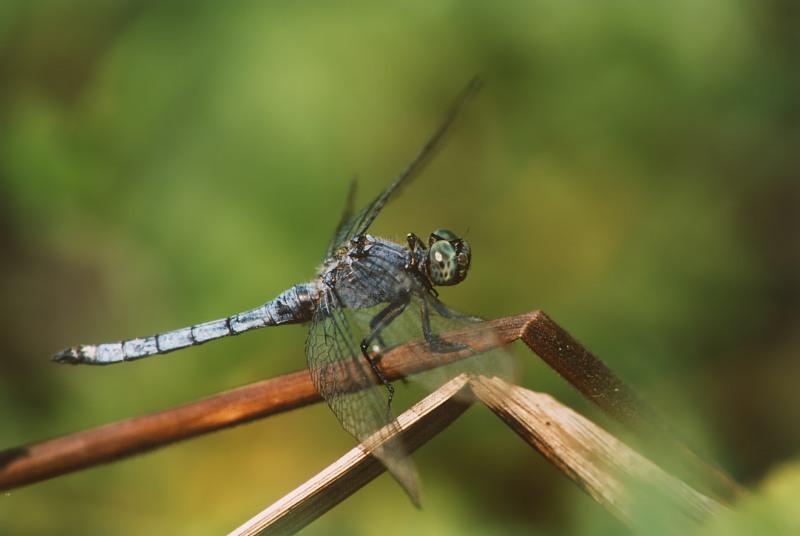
{"x": 437, "y": 345}
{"x": 377, "y": 325}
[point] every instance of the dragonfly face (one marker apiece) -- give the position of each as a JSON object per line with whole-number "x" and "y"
{"x": 448, "y": 258}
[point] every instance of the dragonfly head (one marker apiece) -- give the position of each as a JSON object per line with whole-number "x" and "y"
{"x": 448, "y": 258}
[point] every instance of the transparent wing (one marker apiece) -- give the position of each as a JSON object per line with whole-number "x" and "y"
{"x": 345, "y": 222}
{"x": 345, "y": 380}
{"x": 359, "y": 224}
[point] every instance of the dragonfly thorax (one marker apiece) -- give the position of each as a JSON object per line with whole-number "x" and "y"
{"x": 448, "y": 258}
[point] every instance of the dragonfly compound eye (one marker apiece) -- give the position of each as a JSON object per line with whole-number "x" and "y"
{"x": 448, "y": 258}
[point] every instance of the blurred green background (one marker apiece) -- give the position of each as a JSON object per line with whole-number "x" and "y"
{"x": 631, "y": 169}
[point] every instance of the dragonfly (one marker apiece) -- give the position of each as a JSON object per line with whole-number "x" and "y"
{"x": 369, "y": 295}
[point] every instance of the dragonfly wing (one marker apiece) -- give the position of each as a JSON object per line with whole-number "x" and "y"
{"x": 347, "y": 383}
{"x": 360, "y": 223}
{"x": 343, "y": 228}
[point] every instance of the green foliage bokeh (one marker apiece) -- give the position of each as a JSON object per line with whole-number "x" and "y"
{"x": 630, "y": 169}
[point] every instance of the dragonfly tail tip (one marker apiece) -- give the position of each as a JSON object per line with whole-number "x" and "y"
{"x": 70, "y": 356}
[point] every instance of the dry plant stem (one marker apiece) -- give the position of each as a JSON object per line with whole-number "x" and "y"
{"x": 607, "y": 469}
{"x": 599, "y": 384}
{"x": 24, "y": 465}
{"x": 356, "y": 468}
